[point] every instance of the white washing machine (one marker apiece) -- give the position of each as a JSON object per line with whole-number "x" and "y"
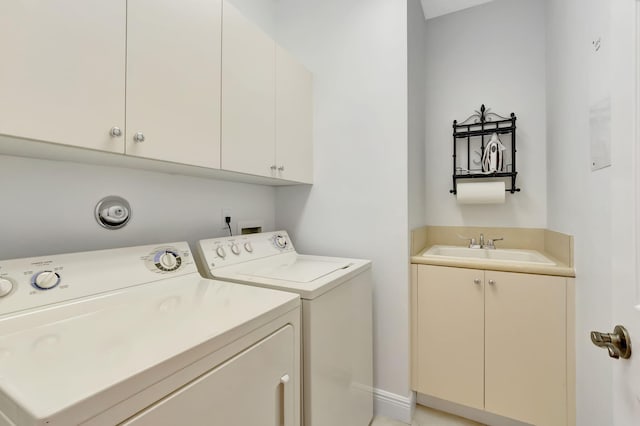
{"x": 336, "y": 317}
{"x": 136, "y": 336}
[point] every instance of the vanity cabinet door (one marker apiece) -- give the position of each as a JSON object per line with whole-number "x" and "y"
{"x": 525, "y": 365}
{"x": 62, "y": 77}
{"x": 450, "y": 331}
{"x": 173, "y": 80}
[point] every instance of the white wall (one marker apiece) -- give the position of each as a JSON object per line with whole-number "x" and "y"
{"x": 417, "y": 112}
{"x": 579, "y": 199}
{"x": 47, "y": 207}
{"x": 357, "y": 51}
{"x": 492, "y": 54}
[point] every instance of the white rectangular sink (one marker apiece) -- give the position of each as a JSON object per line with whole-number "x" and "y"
{"x": 502, "y": 255}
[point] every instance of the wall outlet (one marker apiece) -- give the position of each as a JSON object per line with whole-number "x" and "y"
{"x": 226, "y": 212}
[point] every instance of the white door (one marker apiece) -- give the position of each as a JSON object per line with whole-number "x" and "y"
{"x": 625, "y": 200}
{"x": 294, "y": 118}
{"x": 254, "y": 388}
{"x": 62, "y": 71}
{"x": 173, "y": 80}
{"x": 248, "y": 96}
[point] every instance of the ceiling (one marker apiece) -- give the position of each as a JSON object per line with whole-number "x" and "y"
{"x": 433, "y": 8}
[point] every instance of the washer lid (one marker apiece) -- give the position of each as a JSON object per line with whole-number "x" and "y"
{"x": 80, "y": 358}
{"x": 299, "y": 269}
{"x": 309, "y": 276}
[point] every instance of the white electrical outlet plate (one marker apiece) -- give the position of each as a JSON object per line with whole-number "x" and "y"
{"x": 226, "y": 212}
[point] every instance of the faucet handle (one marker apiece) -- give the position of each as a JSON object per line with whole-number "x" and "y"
{"x": 472, "y": 241}
{"x": 491, "y": 243}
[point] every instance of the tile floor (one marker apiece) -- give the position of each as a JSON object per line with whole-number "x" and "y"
{"x": 427, "y": 417}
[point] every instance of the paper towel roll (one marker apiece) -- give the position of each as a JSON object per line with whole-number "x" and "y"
{"x": 481, "y": 193}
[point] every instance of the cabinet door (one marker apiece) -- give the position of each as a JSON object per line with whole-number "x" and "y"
{"x": 173, "y": 80}
{"x": 248, "y": 96}
{"x": 245, "y": 391}
{"x": 294, "y": 118}
{"x": 526, "y": 347}
{"x": 62, "y": 77}
{"x": 450, "y": 334}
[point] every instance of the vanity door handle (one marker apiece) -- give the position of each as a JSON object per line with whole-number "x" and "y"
{"x": 492, "y": 282}
{"x": 477, "y": 281}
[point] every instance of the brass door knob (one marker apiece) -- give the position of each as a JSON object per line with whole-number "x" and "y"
{"x": 618, "y": 343}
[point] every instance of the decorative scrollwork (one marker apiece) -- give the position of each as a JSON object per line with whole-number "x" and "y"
{"x": 483, "y": 116}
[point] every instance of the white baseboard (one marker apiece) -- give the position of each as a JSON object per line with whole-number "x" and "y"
{"x": 394, "y": 406}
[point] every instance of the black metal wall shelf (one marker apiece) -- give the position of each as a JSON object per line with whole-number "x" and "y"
{"x": 476, "y": 130}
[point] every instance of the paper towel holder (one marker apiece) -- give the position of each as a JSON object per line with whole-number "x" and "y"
{"x": 475, "y": 131}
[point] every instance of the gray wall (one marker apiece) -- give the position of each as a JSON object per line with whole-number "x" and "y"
{"x": 492, "y": 54}
{"x": 48, "y": 206}
{"x": 417, "y": 55}
{"x": 357, "y": 51}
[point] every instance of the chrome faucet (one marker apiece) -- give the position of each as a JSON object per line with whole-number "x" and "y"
{"x": 481, "y": 244}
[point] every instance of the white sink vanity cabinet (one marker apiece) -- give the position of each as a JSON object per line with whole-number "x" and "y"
{"x": 157, "y": 83}
{"x": 498, "y": 339}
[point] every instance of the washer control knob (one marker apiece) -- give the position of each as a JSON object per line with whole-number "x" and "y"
{"x": 280, "y": 241}
{"x": 45, "y": 280}
{"x": 248, "y": 248}
{"x": 221, "y": 252}
{"x": 5, "y": 287}
{"x": 235, "y": 249}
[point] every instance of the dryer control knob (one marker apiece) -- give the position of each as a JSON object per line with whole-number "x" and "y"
{"x": 235, "y": 249}
{"x": 168, "y": 260}
{"x": 5, "y": 287}
{"x": 248, "y": 247}
{"x": 280, "y": 241}
{"x": 221, "y": 252}
{"x": 45, "y": 280}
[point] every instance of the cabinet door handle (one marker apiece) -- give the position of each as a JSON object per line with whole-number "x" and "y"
{"x": 273, "y": 167}
{"x": 281, "y": 168}
{"x": 139, "y": 137}
{"x": 115, "y": 132}
{"x": 492, "y": 282}
{"x": 286, "y": 417}
{"x": 477, "y": 281}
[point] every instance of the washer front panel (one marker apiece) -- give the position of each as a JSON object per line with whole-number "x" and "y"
{"x": 226, "y": 251}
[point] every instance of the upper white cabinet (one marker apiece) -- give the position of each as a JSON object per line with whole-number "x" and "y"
{"x": 62, "y": 77}
{"x": 294, "y": 119}
{"x": 173, "y": 80}
{"x": 266, "y": 104}
{"x": 248, "y": 96}
{"x": 190, "y": 82}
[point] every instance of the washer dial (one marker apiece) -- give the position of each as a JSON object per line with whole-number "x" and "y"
{"x": 167, "y": 260}
{"x": 221, "y": 252}
{"x": 280, "y": 241}
{"x": 6, "y": 286}
{"x": 248, "y": 247}
{"x": 45, "y": 280}
{"x": 235, "y": 249}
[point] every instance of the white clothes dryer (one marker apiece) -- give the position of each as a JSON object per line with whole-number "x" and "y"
{"x": 336, "y": 297}
{"x": 135, "y": 336}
